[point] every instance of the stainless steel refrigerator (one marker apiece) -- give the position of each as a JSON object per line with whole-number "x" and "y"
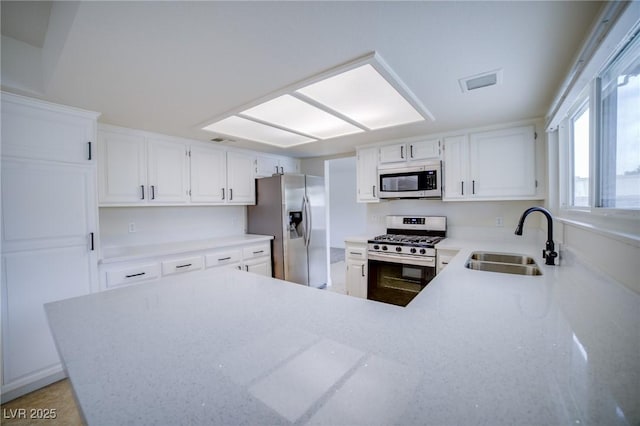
{"x": 291, "y": 207}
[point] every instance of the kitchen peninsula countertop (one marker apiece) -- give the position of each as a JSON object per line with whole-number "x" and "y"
{"x": 126, "y": 253}
{"x": 229, "y": 347}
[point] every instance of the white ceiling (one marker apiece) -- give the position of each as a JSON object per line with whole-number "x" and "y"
{"x": 170, "y": 66}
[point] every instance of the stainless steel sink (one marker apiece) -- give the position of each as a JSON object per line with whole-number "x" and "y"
{"x": 517, "y": 259}
{"x": 506, "y": 263}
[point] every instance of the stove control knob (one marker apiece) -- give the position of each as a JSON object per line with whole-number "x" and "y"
{"x": 398, "y": 249}
{"x": 422, "y": 251}
{"x": 384, "y": 248}
{"x": 413, "y": 251}
{"x": 376, "y": 247}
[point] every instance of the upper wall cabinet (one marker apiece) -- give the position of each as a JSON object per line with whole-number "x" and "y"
{"x": 367, "y": 175}
{"x": 241, "y": 188}
{"x": 269, "y": 165}
{"x": 493, "y": 165}
{"x": 410, "y": 151}
{"x": 136, "y": 168}
{"x": 47, "y": 132}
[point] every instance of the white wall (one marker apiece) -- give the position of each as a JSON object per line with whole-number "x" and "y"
{"x": 347, "y": 217}
{"x": 168, "y": 224}
{"x": 464, "y": 219}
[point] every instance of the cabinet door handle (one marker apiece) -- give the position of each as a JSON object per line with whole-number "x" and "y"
{"x": 135, "y": 275}
{"x": 276, "y": 169}
{"x": 230, "y": 194}
{"x": 239, "y": 268}
{"x": 223, "y": 193}
{"x": 224, "y": 258}
{"x": 259, "y": 251}
{"x": 183, "y": 266}
{"x": 281, "y": 170}
{"x": 92, "y": 242}
{"x": 411, "y": 151}
{"x": 142, "y": 188}
{"x": 462, "y": 184}
{"x": 362, "y": 269}
{"x": 402, "y": 152}
{"x": 374, "y": 190}
{"x": 473, "y": 187}
{"x": 355, "y": 252}
{"x": 246, "y": 268}
{"x": 153, "y": 192}
{"x": 89, "y": 143}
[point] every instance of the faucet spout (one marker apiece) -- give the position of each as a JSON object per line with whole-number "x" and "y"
{"x": 549, "y": 253}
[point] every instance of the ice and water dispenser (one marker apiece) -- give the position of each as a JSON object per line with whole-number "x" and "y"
{"x": 295, "y": 224}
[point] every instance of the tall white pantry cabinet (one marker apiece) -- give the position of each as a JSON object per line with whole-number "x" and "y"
{"x": 49, "y": 230}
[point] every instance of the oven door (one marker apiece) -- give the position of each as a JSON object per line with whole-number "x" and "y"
{"x": 397, "y": 280}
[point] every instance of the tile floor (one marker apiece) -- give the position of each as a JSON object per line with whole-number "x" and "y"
{"x": 56, "y": 399}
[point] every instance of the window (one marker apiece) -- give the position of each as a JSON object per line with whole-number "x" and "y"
{"x": 619, "y": 162}
{"x": 580, "y": 155}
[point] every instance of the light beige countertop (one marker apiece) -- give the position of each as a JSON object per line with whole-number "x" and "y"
{"x": 474, "y": 347}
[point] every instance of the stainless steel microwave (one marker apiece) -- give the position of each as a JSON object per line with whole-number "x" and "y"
{"x": 422, "y": 180}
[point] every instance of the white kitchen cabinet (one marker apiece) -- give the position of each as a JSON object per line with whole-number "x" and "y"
{"x": 455, "y": 166}
{"x": 356, "y": 273}
{"x": 493, "y": 165}
{"x": 257, "y": 259}
{"x": 410, "y": 151}
{"x": 137, "y": 170}
{"x": 49, "y": 238}
{"x": 208, "y": 174}
{"x": 132, "y": 273}
{"x": 289, "y": 165}
{"x": 270, "y": 165}
{"x": 123, "y": 167}
{"x": 260, "y": 266}
{"x": 181, "y": 265}
{"x": 267, "y": 166}
{"x": 424, "y": 150}
{"x": 168, "y": 171}
{"x": 367, "y": 175}
{"x": 140, "y": 168}
{"x": 241, "y": 188}
{"x": 224, "y": 257}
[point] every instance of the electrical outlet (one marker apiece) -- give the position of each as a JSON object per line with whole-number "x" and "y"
{"x": 132, "y": 227}
{"x": 499, "y": 222}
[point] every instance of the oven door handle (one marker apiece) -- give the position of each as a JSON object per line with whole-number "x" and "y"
{"x": 405, "y": 260}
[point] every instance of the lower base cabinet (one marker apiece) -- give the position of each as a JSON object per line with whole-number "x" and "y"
{"x": 356, "y": 262}
{"x": 255, "y": 258}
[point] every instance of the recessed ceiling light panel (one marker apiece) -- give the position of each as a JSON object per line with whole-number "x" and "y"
{"x": 359, "y": 96}
{"x": 251, "y": 130}
{"x": 292, "y": 113}
{"x": 364, "y": 96}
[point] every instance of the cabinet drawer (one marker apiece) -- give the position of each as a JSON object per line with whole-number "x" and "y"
{"x": 185, "y": 264}
{"x": 256, "y": 251}
{"x": 133, "y": 274}
{"x": 356, "y": 253}
{"x": 222, "y": 258}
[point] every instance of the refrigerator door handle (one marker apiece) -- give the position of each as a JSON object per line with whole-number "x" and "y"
{"x": 309, "y": 222}
{"x": 305, "y": 218}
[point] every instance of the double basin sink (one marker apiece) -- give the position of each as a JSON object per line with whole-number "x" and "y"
{"x": 507, "y": 263}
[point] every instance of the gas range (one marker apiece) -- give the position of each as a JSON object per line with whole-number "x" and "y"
{"x": 413, "y": 236}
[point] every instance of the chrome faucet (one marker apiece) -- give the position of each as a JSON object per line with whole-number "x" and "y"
{"x": 549, "y": 252}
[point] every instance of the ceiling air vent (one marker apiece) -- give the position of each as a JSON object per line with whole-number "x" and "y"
{"x": 478, "y": 81}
